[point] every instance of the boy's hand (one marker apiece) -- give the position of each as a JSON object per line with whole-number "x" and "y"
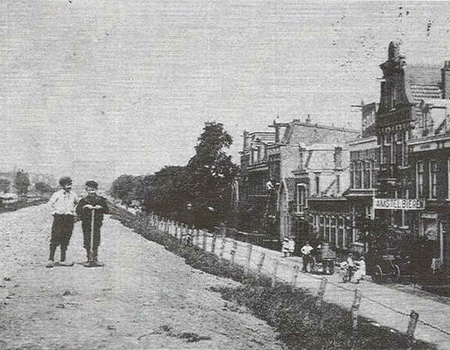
{"x": 88, "y": 206}
{"x": 98, "y": 207}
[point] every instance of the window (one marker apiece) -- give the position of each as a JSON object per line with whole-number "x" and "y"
{"x": 433, "y": 178}
{"x": 338, "y": 183}
{"x": 374, "y": 174}
{"x": 352, "y": 175}
{"x": 340, "y": 239}
{"x": 301, "y": 198}
{"x": 358, "y": 175}
{"x": 317, "y": 185}
{"x": 333, "y": 230}
{"x": 367, "y": 175}
{"x": 322, "y": 226}
{"x": 419, "y": 176}
{"x": 448, "y": 178}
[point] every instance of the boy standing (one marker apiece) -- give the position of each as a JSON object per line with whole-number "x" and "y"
{"x": 92, "y": 207}
{"x": 63, "y": 204}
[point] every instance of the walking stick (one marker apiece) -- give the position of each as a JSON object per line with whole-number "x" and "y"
{"x": 91, "y": 248}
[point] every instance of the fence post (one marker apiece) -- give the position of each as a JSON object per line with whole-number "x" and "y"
{"x": 222, "y": 247}
{"x": 319, "y": 300}
{"x": 261, "y": 262}
{"x": 233, "y": 252}
{"x": 354, "y": 314}
{"x": 213, "y": 244}
{"x": 205, "y": 237}
{"x": 249, "y": 256}
{"x": 294, "y": 277}
{"x": 274, "y": 273}
{"x": 197, "y": 236}
{"x": 413, "y": 318}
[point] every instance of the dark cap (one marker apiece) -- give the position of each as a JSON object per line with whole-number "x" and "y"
{"x": 91, "y": 184}
{"x": 65, "y": 180}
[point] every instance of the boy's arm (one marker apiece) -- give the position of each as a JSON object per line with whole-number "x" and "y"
{"x": 51, "y": 202}
{"x": 79, "y": 207}
{"x": 104, "y": 205}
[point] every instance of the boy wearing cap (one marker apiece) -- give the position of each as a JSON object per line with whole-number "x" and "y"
{"x": 63, "y": 204}
{"x": 91, "y": 207}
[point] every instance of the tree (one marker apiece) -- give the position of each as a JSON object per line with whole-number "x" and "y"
{"x": 210, "y": 174}
{"x": 165, "y": 191}
{"x": 4, "y": 185}
{"x": 123, "y": 188}
{"x": 21, "y": 182}
{"x": 43, "y": 188}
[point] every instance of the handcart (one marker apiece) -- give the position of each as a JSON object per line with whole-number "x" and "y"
{"x": 325, "y": 259}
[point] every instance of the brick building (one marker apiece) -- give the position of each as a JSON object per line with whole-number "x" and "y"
{"x": 304, "y": 162}
{"x": 429, "y": 159}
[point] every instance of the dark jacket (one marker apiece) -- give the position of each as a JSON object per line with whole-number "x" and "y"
{"x": 86, "y": 214}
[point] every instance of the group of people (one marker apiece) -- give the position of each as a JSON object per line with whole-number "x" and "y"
{"x": 353, "y": 271}
{"x": 66, "y": 205}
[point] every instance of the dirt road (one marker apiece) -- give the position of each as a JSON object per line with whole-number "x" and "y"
{"x": 143, "y": 298}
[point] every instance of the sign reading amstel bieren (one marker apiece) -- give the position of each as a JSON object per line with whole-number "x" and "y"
{"x": 398, "y": 204}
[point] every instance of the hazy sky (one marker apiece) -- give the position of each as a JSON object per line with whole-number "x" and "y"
{"x": 131, "y": 83}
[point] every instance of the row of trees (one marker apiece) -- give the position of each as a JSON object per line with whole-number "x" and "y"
{"x": 22, "y": 184}
{"x": 198, "y": 193}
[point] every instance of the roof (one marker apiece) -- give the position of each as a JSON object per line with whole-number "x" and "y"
{"x": 307, "y": 133}
{"x": 422, "y": 81}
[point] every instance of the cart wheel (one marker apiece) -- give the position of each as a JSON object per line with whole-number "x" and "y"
{"x": 377, "y": 274}
{"x": 396, "y": 274}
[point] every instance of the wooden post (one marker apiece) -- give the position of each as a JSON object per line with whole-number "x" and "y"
{"x": 319, "y": 300}
{"x": 413, "y": 318}
{"x": 249, "y": 257}
{"x": 261, "y": 262}
{"x": 274, "y": 273}
{"x": 205, "y": 237}
{"x": 197, "y": 237}
{"x": 222, "y": 247}
{"x": 233, "y": 252}
{"x": 213, "y": 244}
{"x": 355, "y": 309}
{"x": 294, "y": 277}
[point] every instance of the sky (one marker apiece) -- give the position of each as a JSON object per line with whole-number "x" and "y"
{"x": 104, "y": 88}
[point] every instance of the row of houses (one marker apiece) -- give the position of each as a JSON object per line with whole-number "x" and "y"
{"x": 303, "y": 179}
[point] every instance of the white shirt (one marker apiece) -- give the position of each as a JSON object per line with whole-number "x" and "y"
{"x": 63, "y": 202}
{"x": 306, "y": 249}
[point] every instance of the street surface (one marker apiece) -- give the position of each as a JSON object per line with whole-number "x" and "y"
{"x": 143, "y": 298}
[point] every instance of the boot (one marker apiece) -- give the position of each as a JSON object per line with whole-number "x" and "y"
{"x": 62, "y": 260}
{"x": 95, "y": 258}
{"x": 89, "y": 261}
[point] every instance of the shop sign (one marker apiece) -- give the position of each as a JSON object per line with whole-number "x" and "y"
{"x": 398, "y": 204}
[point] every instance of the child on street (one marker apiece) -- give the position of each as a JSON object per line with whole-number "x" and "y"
{"x": 91, "y": 209}
{"x": 63, "y": 204}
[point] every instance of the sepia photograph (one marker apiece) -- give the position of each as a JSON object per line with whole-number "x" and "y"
{"x": 224, "y": 175}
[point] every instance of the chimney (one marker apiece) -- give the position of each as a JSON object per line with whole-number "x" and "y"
{"x": 446, "y": 80}
{"x": 308, "y": 119}
{"x": 245, "y": 140}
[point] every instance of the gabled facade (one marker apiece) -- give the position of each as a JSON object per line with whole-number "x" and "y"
{"x": 303, "y": 161}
